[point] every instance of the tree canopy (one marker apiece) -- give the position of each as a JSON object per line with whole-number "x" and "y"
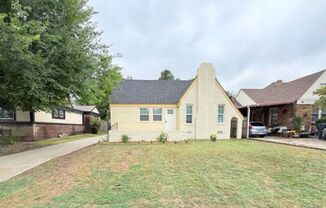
{"x": 51, "y": 53}
{"x": 321, "y": 102}
{"x": 166, "y": 75}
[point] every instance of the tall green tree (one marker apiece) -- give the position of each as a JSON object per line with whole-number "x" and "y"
{"x": 51, "y": 53}
{"x": 166, "y": 75}
{"x": 98, "y": 90}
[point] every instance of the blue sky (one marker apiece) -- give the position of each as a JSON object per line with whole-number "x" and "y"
{"x": 250, "y": 43}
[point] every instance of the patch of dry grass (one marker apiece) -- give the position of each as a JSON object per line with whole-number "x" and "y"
{"x": 201, "y": 174}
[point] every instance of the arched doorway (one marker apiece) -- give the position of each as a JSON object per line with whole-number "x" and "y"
{"x": 234, "y": 127}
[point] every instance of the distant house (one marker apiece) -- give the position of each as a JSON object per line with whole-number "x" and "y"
{"x": 90, "y": 112}
{"x": 41, "y": 124}
{"x": 279, "y": 102}
{"x": 191, "y": 109}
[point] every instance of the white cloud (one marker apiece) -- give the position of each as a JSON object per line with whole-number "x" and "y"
{"x": 251, "y": 43}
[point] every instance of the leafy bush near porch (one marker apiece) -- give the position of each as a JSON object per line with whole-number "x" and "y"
{"x": 297, "y": 124}
{"x": 95, "y": 125}
{"x": 163, "y": 137}
{"x": 213, "y": 137}
{"x": 125, "y": 138}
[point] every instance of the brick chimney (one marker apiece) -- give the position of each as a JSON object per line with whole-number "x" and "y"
{"x": 206, "y": 116}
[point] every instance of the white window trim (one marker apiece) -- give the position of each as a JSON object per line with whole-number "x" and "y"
{"x": 192, "y": 115}
{"x": 153, "y": 114}
{"x": 149, "y": 114}
{"x": 218, "y": 114}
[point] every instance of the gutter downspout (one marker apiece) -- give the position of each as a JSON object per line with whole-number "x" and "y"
{"x": 248, "y": 120}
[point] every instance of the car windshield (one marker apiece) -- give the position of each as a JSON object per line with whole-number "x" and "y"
{"x": 257, "y": 124}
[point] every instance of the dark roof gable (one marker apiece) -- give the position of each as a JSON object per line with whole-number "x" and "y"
{"x": 149, "y": 91}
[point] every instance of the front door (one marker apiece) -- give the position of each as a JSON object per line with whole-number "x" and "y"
{"x": 170, "y": 119}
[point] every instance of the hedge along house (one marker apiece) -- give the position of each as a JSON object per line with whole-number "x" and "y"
{"x": 41, "y": 124}
{"x": 278, "y": 103}
{"x": 191, "y": 109}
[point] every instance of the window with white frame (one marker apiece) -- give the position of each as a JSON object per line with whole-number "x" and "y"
{"x": 170, "y": 111}
{"x": 144, "y": 114}
{"x": 220, "y": 114}
{"x": 59, "y": 114}
{"x": 188, "y": 113}
{"x": 157, "y": 114}
{"x": 7, "y": 115}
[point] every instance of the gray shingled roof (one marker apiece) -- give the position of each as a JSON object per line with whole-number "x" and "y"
{"x": 149, "y": 91}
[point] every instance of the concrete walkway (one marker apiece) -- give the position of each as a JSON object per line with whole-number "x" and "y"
{"x": 12, "y": 165}
{"x": 308, "y": 143}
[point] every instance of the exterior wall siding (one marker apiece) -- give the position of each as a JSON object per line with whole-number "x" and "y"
{"x": 23, "y": 116}
{"x": 115, "y": 136}
{"x": 190, "y": 97}
{"x": 71, "y": 118}
{"x": 128, "y": 118}
{"x": 244, "y": 99}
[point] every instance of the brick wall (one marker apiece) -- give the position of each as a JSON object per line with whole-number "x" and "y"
{"x": 54, "y": 130}
{"x": 285, "y": 115}
{"x": 23, "y": 130}
{"x": 305, "y": 112}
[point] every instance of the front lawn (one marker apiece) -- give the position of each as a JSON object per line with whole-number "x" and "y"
{"x": 229, "y": 173}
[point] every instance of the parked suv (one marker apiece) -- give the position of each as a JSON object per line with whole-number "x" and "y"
{"x": 257, "y": 129}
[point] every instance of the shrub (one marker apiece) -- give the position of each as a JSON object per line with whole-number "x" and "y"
{"x": 95, "y": 125}
{"x": 125, "y": 138}
{"x": 213, "y": 137}
{"x": 163, "y": 137}
{"x": 297, "y": 124}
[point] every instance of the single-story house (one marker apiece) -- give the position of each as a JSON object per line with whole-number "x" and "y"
{"x": 184, "y": 109}
{"x": 278, "y": 103}
{"x": 41, "y": 124}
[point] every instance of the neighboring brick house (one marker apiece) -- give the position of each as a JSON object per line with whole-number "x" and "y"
{"x": 41, "y": 124}
{"x": 185, "y": 109}
{"x": 278, "y": 103}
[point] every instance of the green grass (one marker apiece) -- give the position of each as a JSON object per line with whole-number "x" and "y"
{"x": 229, "y": 173}
{"x": 65, "y": 139}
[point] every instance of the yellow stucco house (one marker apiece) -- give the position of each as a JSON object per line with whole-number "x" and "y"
{"x": 191, "y": 109}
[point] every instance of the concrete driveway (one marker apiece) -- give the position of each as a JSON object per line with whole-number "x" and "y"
{"x": 309, "y": 143}
{"x": 12, "y": 165}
